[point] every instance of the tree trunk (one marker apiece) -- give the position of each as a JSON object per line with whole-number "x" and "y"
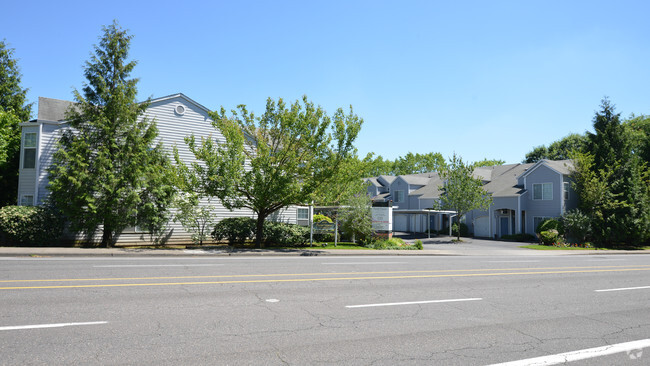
{"x": 259, "y": 231}
{"x": 107, "y": 237}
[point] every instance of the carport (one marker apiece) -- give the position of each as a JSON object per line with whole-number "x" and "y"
{"x": 426, "y": 212}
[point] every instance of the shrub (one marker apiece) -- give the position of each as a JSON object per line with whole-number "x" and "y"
{"x": 577, "y": 226}
{"x": 464, "y": 230}
{"x": 30, "y": 225}
{"x": 550, "y": 224}
{"x": 283, "y": 234}
{"x": 549, "y": 237}
{"x": 320, "y": 217}
{"x": 393, "y": 243}
{"x": 241, "y": 229}
{"x": 418, "y": 244}
{"x": 234, "y": 229}
{"x": 356, "y": 218}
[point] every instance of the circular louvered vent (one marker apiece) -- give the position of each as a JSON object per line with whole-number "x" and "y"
{"x": 180, "y": 110}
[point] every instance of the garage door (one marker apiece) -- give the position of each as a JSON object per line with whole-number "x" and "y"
{"x": 482, "y": 227}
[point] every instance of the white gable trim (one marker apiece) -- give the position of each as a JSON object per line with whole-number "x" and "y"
{"x": 182, "y": 96}
{"x": 537, "y": 165}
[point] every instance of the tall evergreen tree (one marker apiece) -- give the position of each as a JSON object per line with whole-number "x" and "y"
{"x": 109, "y": 173}
{"x": 13, "y": 110}
{"x": 614, "y": 182}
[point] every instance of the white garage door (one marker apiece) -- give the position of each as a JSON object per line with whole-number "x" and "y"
{"x": 482, "y": 227}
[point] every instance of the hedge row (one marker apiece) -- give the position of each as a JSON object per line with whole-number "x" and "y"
{"x": 30, "y": 225}
{"x": 241, "y": 229}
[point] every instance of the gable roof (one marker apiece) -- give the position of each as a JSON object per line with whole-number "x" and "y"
{"x": 387, "y": 178}
{"x": 415, "y": 180}
{"x": 50, "y": 109}
{"x": 372, "y": 181}
{"x": 563, "y": 167}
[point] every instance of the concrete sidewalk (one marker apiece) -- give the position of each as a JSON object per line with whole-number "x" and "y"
{"x": 440, "y": 246}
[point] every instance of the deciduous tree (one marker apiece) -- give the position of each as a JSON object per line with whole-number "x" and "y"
{"x": 461, "y": 191}
{"x": 270, "y": 162}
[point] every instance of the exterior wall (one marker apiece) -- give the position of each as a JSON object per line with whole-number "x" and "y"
{"x": 372, "y": 190}
{"x": 542, "y": 208}
{"x": 50, "y": 135}
{"x": 414, "y": 202}
{"x": 400, "y": 185}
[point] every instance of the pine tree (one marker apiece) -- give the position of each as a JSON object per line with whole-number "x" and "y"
{"x": 109, "y": 174}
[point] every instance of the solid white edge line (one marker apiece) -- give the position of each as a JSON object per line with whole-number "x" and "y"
{"x": 623, "y": 289}
{"x": 411, "y": 303}
{"x": 40, "y": 326}
{"x": 579, "y": 355}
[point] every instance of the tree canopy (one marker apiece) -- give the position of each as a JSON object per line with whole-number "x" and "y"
{"x": 558, "y": 150}
{"x": 109, "y": 173}
{"x": 270, "y": 162}
{"x": 13, "y": 110}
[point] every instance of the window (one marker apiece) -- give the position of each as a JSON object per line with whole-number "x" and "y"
{"x": 399, "y": 196}
{"x": 566, "y": 191}
{"x": 543, "y": 191}
{"x": 303, "y": 214}
{"x": 27, "y": 200}
{"x": 29, "y": 150}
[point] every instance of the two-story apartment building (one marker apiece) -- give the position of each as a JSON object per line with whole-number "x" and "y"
{"x": 176, "y": 116}
{"x": 522, "y": 196}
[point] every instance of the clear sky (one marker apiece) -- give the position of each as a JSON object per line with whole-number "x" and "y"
{"x": 484, "y": 79}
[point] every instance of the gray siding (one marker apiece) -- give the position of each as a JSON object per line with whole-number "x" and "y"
{"x": 400, "y": 185}
{"x": 542, "y": 208}
{"x": 49, "y": 144}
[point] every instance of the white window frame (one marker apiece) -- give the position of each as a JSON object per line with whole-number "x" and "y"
{"x": 543, "y": 197}
{"x": 399, "y": 196}
{"x": 31, "y": 146}
{"x": 299, "y": 216}
{"x": 24, "y": 202}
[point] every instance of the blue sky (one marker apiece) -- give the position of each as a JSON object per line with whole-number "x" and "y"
{"x": 484, "y": 79}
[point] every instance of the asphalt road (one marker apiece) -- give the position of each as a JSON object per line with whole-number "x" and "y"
{"x": 475, "y": 310}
